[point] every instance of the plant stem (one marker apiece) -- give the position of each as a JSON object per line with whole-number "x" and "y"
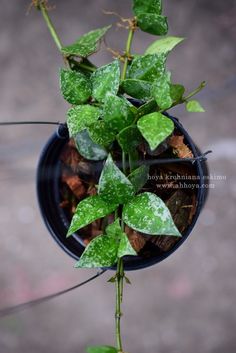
{"x": 127, "y": 52}
{"x": 43, "y": 8}
{"x": 190, "y": 95}
{"x": 119, "y": 291}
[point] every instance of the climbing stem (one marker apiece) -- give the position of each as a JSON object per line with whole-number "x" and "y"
{"x": 118, "y": 314}
{"x": 43, "y": 8}
{"x": 127, "y": 52}
{"x": 190, "y": 95}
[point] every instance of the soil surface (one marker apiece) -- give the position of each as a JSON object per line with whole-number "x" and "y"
{"x": 184, "y": 304}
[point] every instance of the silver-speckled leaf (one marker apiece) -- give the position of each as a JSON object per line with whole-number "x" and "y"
{"x": 137, "y": 88}
{"x": 114, "y": 186}
{"x": 129, "y": 138}
{"x": 88, "y": 210}
{"x": 105, "y": 80}
{"x": 194, "y": 106}
{"x": 139, "y": 177}
{"x": 147, "y": 67}
{"x": 163, "y": 45}
{"x": 101, "y": 133}
{"x": 161, "y": 91}
{"x": 117, "y": 112}
{"x": 148, "y": 214}
{"x": 155, "y": 128}
{"x": 147, "y": 6}
{"x": 153, "y": 24}
{"x": 86, "y": 44}
{"x": 75, "y": 86}
{"x": 81, "y": 116}
{"x": 89, "y": 149}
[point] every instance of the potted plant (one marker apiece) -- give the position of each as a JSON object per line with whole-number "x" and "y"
{"x": 110, "y": 181}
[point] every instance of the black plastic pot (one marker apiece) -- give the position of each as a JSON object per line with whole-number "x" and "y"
{"x": 48, "y": 182}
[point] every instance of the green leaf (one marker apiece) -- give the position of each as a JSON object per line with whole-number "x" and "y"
{"x": 86, "y": 44}
{"x": 139, "y": 177}
{"x": 147, "y": 108}
{"x": 105, "y": 250}
{"x": 148, "y": 214}
{"x": 161, "y": 91}
{"x": 194, "y": 106}
{"x": 101, "y": 133}
{"x": 75, "y": 86}
{"x": 176, "y": 92}
{"x": 102, "y": 349}
{"x": 81, "y": 116}
{"x": 129, "y": 138}
{"x": 137, "y": 88}
{"x": 114, "y": 186}
{"x": 155, "y": 128}
{"x": 88, "y": 210}
{"x": 117, "y": 112}
{"x": 147, "y": 67}
{"x": 88, "y": 149}
{"x": 153, "y": 24}
{"x": 147, "y": 6}
{"x": 106, "y": 79}
{"x": 163, "y": 45}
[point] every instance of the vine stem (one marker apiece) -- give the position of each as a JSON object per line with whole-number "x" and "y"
{"x": 43, "y": 8}
{"x": 190, "y": 95}
{"x": 127, "y": 52}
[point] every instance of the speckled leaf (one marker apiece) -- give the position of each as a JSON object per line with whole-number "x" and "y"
{"x": 88, "y": 210}
{"x": 148, "y": 214}
{"x": 114, "y": 186}
{"x": 147, "y": 67}
{"x": 129, "y": 138}
{"x": 163, "y": 45}
{"x": 153, "y": 24}
{"x": 137, "y": 88}
{"x": 176, "y": 92}
{"x": 88, "y": 149}
{"x": 75, "y": 86}
{"x": 155, "y": 128}
{"x": 106, "y": 79}
{"x": 101, "y": 133}
{"x": 147, "y": 6}
{"x": 117, "y": 112}
{"x": 86, "y": 44}
{"x": 102, "y": 349}
{"x": 81, "y": 116}
{"x": 161, "y": 91}
{"x": 139, "y": 177}
{"x": 194, "y": 106}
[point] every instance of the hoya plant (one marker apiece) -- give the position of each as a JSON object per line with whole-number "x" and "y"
{"x": 107, "y": 125}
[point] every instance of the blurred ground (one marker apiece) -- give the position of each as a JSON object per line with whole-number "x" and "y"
{"x": 188, "y": 302}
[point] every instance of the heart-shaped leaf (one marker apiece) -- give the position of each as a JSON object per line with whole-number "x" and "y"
{"x": 102, "y": 349}
{"x": 153, "y": 24}
{"x": 161, "y": 91}
{"x": 117, "y": 112}
{"x": 163, "y": 45}
{"x": 139, "y": 177}
{"x": 114, "y": 186}
{"x": 129, "y": 138}
{"x": 105, "y": 250}
{"x": 89, "y": 149}
{"x": 101, "y": 133}
{"x": 137, "y": 88}
{"x": 194, "y": 106}
{"x": 88, "y": 210}
{"x": 86, "y": 44}
{"x": 148, "y": 214}
{"x": 105, "y": 80}
{"x": 75, "y": 86}
{"x": 155, "y": 128}
{"x": 81, "y": 116}
{"x": 147, "y": 67}
{"x": 176, "y": 92}
{"x": 147, "y": 6}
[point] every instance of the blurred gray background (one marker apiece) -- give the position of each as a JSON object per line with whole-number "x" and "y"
{"x": 188, "y": 302}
